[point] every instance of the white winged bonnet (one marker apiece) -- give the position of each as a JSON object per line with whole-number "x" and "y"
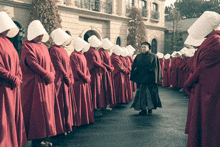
{"x": 6, "y": 23}
{"x": 94, "y": 41}
{"x": 160, "y": 55}
{"x": 167, "y": 56}
{"x": 60, "y": 37}
{"x": 125, "y": 52}
{"x": 107, "y": 44}
{"x": 36, "y": 29}
{"x": 117, "y": 50}
{"x": 80, "y": 44}
{"x": 193, "y": 42}
{"x": 204, "y": 25}
{"x": 131, "y": 47}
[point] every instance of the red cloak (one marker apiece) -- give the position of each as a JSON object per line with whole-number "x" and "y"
{"x": 179, "y": 72}
{"x": 133, "y": 84}
{"x": 174, "y": 72}
{"x": 161, "y": 67}
{"x": 81, "y": 86}
{"x": 107, "y": 77}
{"x": 166, "y": 73}
{"x": 37, "y": 90}
{"x": 203, "y": 123}
{"x": 11, "y": 118}
{"x": 96, "y": 69}
{"x": 127, "y": 78}
{"x": 119, "y": 81}
{"x": 63, "y": 81}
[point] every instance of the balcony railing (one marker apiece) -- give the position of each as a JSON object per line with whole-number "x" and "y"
{"x": 155, "y": 15}
{"x": 95, "y": 5}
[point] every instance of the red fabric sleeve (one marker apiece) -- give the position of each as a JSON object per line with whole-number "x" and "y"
{"x": 31, "y": 61}
{"x": 56, "y": 60}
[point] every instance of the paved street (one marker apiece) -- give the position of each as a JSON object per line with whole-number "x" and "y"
{"x": 122, "y": 127}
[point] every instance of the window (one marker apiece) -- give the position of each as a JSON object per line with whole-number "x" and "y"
{"x": 129, "y": 5}
{"x": 118, "y": 41}
{"x": 154, "y": 7}
{"x": 154, "y": 11}
{"x": 143, "y": 7}
{"x": 154, "y": 46}
{"x": 68, "y": 32}
{"x": 88, "y": 4}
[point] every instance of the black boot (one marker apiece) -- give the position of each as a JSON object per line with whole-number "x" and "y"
{"x": 143, "y": 112}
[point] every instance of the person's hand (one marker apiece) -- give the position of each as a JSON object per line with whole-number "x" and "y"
{"x": 187, "y": 88}
{"x": 87, "y": 79}
{"x": 111, "y": 69}
{"x": 67, "y": 80}
{"x": 49, "y": 78}
{"x": 104, "y": 69}
{"x": 15, "y": 82}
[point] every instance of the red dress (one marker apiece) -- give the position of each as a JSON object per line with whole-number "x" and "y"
{"x": 107, "y": 77}
{"x": 166, "y": 73}
{"x": 96, "y": 69}
{"x": 161, "y": 67}
{"x": 127, "y": 78}
{"x": 82, "y": 89}
{"x": 176, "y": 73}
{"x": 180, "y": 75}
{"x": 203, "y": 123}
{"x": 119, "y": 81}
{"x": 133, "y": 84}
{"x": 63, "y": 81}
{"x": 11, "y": 118}
{"x": 37, "y": 90}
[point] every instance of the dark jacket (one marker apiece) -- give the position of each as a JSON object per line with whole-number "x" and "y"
{"x": 146, "y": 69}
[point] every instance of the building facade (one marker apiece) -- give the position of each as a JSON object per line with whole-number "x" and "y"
{"x": 103, "y": 18}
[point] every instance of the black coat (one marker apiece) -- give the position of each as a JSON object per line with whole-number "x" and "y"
{"x": 146, "y": 69}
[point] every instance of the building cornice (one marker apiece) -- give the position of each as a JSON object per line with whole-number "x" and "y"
{"x": 92, "y": 14}
{"x": 15, "y": 3}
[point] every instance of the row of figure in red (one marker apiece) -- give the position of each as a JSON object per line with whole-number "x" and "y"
{"x": 50, "y": 92}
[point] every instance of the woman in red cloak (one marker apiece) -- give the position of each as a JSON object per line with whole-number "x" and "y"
{"x": 96, "y": 68}
{"x": 37, "y": 89}
{"x": 161, "y": 60}
{"x": 118, "y": 76}
{"x": 63, "y": 77}
{"x": 203, "y": 123}
{"x": 107, "y": 76}
{"x": 12, "y": 129}
{"x": 166, "y": 71}
{"x": 81, "y": 86}
{"x": 127, "y": 67}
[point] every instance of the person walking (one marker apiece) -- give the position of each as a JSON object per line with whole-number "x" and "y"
{"x": 146, "y": 73}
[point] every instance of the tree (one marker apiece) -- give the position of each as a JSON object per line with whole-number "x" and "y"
{"x": 136, "y": 30}
{"x": 193, "y": 9}
{"x": 173, "y": 38}
{"x": 47, "y": 12}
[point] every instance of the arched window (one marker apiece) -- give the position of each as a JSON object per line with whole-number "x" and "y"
{"x": 118, "y": 41}
{"x": 90, "y": 33}
{"x": 154, "y": 7}
{"x": 68, "y": 32}
{"x": 154, "y": 11}
{"x": 143, "y": 7}
{"x": 154, "y": 46}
